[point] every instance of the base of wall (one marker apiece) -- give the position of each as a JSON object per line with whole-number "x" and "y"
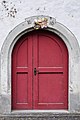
{"x": 41, "y": 116}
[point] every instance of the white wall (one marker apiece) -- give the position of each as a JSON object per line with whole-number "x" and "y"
{"x": 13, "y": 12}
{"x": 67, "y": 12}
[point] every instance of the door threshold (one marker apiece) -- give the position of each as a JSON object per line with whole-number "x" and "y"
{"x": 40, "y": 111}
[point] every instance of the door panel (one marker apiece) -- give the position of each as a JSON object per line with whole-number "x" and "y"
{"x": 47, "y": 88}
{"x": 47, "y": 54}
{"x": 21, "y": 52}
{"x": 22, "y": 86}
{"x": 49, "y": 51}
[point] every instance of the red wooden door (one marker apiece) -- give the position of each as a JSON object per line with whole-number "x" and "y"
{"x": 40, "y": 72}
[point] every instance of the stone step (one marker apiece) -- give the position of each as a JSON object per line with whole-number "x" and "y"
{"x": 43, "y": 116}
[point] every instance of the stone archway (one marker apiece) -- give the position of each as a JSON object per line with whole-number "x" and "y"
{"x": 74, "y": 60}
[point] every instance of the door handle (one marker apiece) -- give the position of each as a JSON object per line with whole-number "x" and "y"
{"x": 35, "y": 71}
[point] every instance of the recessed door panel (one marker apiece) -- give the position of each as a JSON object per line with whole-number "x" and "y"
{"x": 22, "y": 86}
{"x": 49, "y": 51}
{"x": 47, "y": 91}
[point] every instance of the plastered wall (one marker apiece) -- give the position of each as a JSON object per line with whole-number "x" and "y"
{"x": 13, "y": 12}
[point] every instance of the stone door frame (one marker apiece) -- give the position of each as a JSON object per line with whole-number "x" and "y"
{"x": 74, "y": 61}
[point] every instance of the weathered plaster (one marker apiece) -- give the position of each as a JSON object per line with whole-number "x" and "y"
{"x": 74, "y": 61}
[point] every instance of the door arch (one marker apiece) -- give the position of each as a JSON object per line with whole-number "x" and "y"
{"x": 40, "y": 72}
{"x": 74, "y": 60}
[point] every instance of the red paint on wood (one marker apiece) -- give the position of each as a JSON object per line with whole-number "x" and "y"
{"x": 48, "y": 89}
{"x": 22, "y": 74}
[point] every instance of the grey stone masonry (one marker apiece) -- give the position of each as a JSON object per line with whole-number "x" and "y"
{"x": 47, "y": 116}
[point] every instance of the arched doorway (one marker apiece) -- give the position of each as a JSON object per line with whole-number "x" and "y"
{"x": 73, "y": 66}
{"x": 40, "y": 72}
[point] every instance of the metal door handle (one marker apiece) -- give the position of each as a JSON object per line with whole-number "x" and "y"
{"x": 35, "y": 71}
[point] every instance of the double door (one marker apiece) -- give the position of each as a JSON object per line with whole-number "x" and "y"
{"x": 39, "y": 72}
